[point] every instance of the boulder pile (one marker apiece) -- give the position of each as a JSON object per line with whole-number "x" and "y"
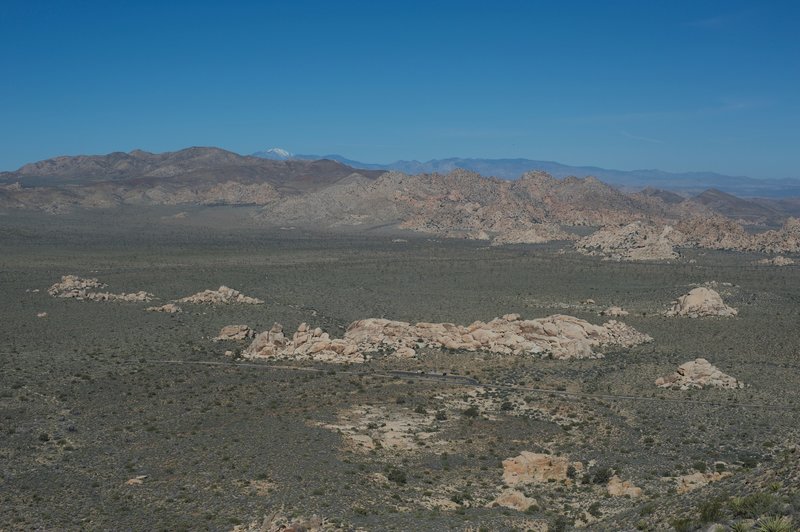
{"x": 222, "y": 296}
{"x": 72, "y": 286}
{"x": 234, "y": 333}
{"x": 698, "y": 373}
{"x": 701, "y": 302}
{"x": 635, "y": 241}
{"x": 559, "y": 336}
{"x": 614, "y": 312}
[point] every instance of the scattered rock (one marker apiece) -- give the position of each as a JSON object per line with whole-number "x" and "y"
{"x": 614, "y": 312}
{"x": 222, "y": 296}
{"x": 72, "y": 286}
{"x": 234, "y": 333}
{"x": 619, "y": 488}
{"x": 558, "y": 336}
{"x": 169, "y": 308}
{"x": 701, "y": 302}
{"x": 777, "y": 261}
{"x": 41, "y": 314}
{"x": 136, "y": 481}
{"x": 528, "y": 468}
{"x": 698, "y": 373}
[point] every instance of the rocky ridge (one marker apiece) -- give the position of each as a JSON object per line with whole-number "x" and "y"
{"x": 558, "y": 336}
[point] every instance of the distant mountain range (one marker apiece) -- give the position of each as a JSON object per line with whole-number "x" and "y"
{"x": 687, "y": 183}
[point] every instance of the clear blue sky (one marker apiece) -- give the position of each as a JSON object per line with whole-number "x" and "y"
{"x": 620, "y": 84}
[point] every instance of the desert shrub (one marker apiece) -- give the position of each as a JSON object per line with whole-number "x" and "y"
{"x": 471, "y": 412}
{"x": 755, "y": 505}
{"x": 397, "y": 476}
{"x": 682, "y": 524}
{"x": 775, "y": 524}
{"x": 710, "y": 511}
{"x": 602, "y": 475}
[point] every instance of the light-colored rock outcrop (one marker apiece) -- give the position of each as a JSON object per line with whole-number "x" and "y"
{"x": 222, "y": 296}
{"x": 169, "y": 308}
{"x": 622, "y": 488}
{"x": 529, "y": 468}
{"x": 614, "y": 312}
{"x": 780, "y": 260}
{"x": 634, "y": 241}
{"x": 558, "y": 336}
{"x": 72, "y": 286}
{"x": 514, "y": 499}
{"x": 234, "y": 333}
{"x": 698, "y": 373}
{"x": 693, "y": 481}
{"x": 41, "y": 314}
{"x": 701, "y": 302}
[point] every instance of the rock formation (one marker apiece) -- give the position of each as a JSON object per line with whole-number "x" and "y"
{"x": 618, "y": 488}
{"x": 169, "y": 308}
{"x": 559, "y": 336}
{"x": 634, "y": 241}
{"x": 234, "y": 333}
{"x": 614, "y": 312}
{"x": 698, "y": 373}
{"x": 72, "y": 286}
{"x": 222, "y": 296}
{"x": 529, "y": 468}
{"x": 701, "y": 302}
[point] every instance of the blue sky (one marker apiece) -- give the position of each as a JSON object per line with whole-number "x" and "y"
{"x": 620, "y": 84}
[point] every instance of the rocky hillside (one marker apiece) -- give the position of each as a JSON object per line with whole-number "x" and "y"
{"x": 202, "y": 176}
{"x": 647, "y": 225}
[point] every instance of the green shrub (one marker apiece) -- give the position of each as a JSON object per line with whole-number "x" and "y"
{"x": 775, "y": 524}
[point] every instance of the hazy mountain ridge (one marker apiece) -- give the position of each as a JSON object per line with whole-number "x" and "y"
{"x": 690, "y": 183}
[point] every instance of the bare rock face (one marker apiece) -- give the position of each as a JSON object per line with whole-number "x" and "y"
{"x": 777, "y": 261}
{"x": 619, "y": 488}
{"x": 169, "y": 308}
{"x": 635, "y": 241}
{"x": 614, "y": 312}
{"x": 701, "y": 302}
{"x": 698, "y": 373}
{"x": 222, "y": 296}
{"x": 530, "y": 468}
{"x": 234, "y": 333}
{"x": 72, "y": 286}
{"x": 558, "y": 336}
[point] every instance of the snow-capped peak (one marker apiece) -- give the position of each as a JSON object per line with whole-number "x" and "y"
{"x": 279, "y": 152}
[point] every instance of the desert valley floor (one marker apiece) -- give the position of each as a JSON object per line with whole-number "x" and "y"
{"x": 116, "y": 418}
